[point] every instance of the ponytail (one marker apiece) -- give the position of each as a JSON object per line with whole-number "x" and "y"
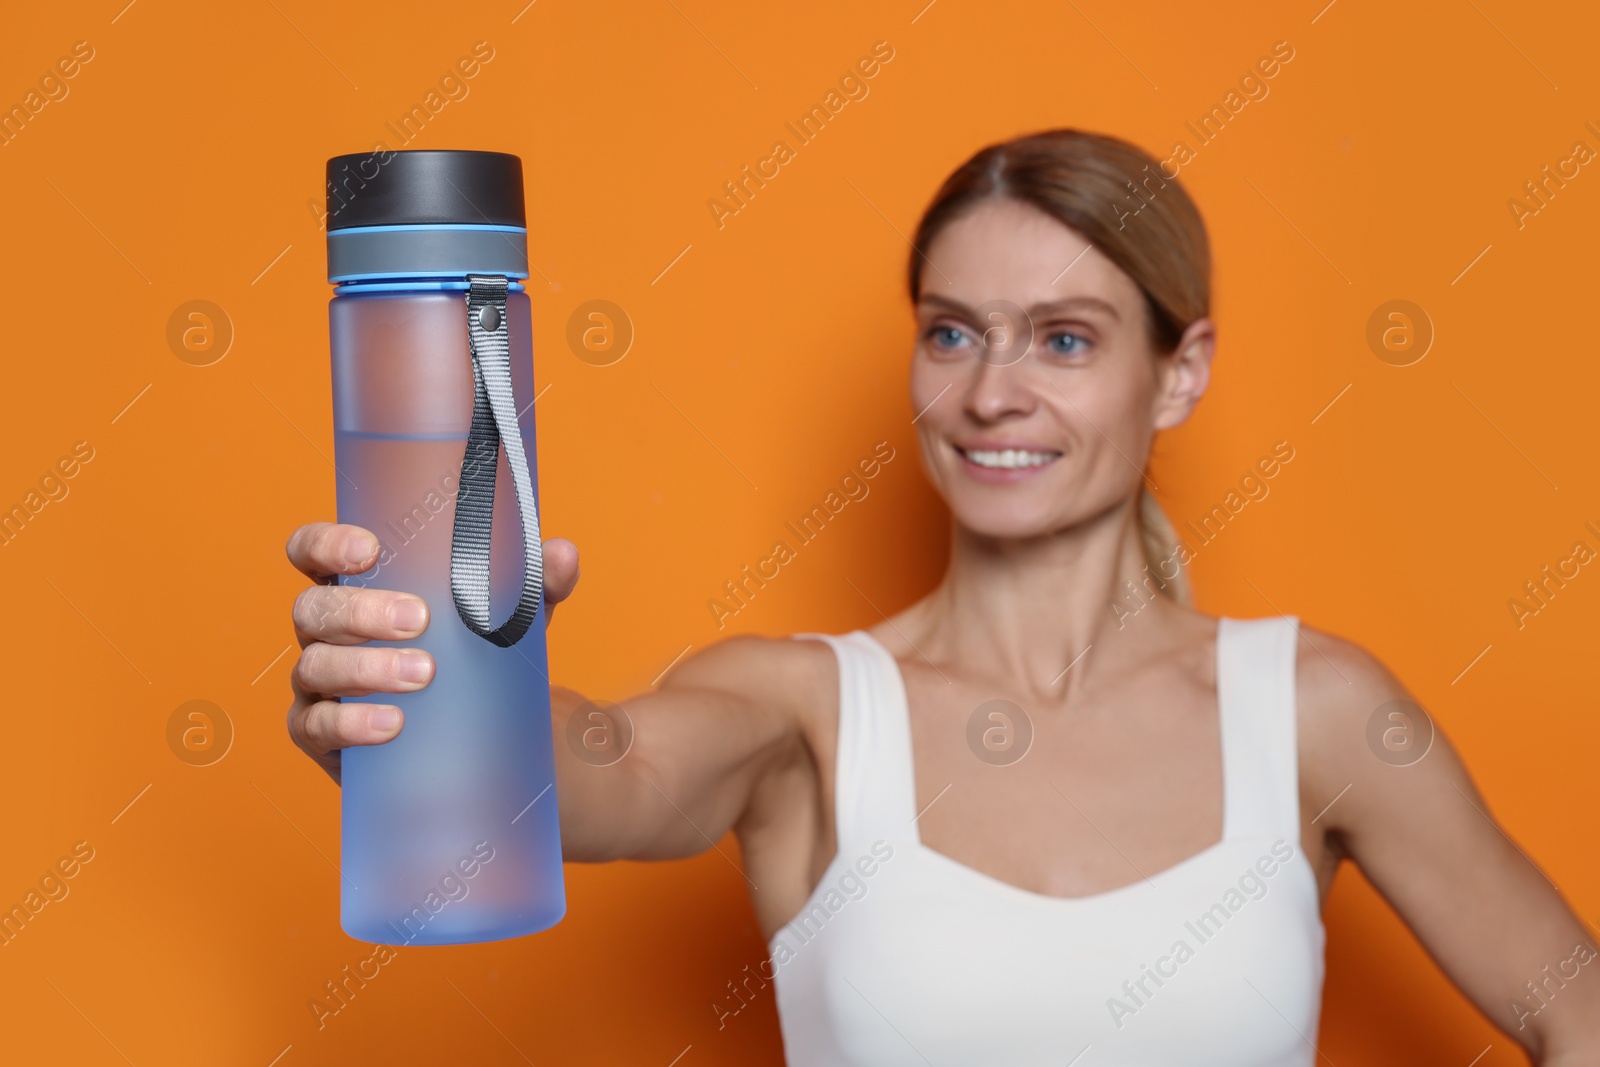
{"x": 1160, "y": 543}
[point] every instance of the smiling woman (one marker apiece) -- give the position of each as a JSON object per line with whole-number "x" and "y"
{"x": 1166, "y": 759}
{"x": 1168, "y": 259}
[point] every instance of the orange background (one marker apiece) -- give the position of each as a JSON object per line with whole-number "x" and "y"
{"x": 180, "y": 166}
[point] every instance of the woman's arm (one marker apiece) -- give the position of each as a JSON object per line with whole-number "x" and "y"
{"x": 1425, "y": 838}
{"x": 700, "y": 743}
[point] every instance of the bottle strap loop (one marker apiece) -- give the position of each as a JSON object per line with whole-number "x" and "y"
{"x": 494, "y": 422}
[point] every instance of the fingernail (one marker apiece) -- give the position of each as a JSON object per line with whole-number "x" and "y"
{"x": 413, "y": 666}
{"x": 384, "y": 719}
{"x": 357, "y": 549}
{"x": 407, "y": 614}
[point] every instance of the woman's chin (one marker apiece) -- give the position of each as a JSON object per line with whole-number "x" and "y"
{"x": 1004, "y": 524}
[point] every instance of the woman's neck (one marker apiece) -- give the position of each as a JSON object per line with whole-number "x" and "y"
{"x": 1027, "y": 610}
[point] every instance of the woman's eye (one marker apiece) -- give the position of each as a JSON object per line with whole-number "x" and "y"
{"x": 946, "y": 337}
{"x": 1066, "y": 344}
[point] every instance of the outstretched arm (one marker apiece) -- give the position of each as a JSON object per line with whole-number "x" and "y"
{"x": 700, "y": 743}
{"x": 1425, "y": 838}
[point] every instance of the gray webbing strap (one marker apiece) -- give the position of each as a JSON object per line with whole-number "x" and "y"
{"x": 494, "y": 422}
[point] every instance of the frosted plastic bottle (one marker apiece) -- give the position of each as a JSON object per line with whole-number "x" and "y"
{"x": 450, "y": 833}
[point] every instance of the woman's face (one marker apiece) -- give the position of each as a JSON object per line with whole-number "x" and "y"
{"x": 1037, "y": 388}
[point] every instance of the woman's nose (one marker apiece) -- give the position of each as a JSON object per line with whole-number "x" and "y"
{"x": 1001, "y": 382}
{"x": 1000, "y": 386}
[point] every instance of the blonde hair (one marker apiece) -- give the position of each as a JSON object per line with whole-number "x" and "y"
{"x": 1160, "y": 544}
{"x": 1096, "y": 184}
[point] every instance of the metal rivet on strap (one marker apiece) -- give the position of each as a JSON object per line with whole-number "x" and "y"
{"x": 489, "y": 317}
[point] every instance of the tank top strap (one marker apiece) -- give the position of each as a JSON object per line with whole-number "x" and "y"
{"x": 1260, "y": 752}
{"x": 874, "y": 793}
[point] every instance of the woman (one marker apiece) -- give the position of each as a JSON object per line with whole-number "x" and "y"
{"x": 1044, "y": 812}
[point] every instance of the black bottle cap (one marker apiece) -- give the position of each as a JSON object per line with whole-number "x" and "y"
{"x": 388, "y": 188}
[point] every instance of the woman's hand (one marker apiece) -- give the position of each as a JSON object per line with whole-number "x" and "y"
{"x": 722, "y": 718}
{"x": 332, "y": 621}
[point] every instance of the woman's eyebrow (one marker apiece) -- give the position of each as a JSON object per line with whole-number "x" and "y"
{"x": 1073, "y": 303}
{"x": 1040, "y": 310}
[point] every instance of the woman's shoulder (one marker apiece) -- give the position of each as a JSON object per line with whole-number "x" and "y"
{"x": 775, "y": 671}
{"x": 1337, "y": 678}
{"x": 1348, "y": 701}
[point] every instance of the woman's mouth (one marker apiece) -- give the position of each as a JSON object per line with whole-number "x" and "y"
{"x": 1004, "y": 464}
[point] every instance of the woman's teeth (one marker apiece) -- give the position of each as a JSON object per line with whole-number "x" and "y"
{"x": 1010, "y": 458}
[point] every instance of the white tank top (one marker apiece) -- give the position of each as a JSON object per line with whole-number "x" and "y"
{"x": 902, "y": 955}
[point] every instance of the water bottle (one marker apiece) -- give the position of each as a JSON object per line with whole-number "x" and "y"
{"x": 449, "y": 831}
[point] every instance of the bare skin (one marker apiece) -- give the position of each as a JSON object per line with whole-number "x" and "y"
{"x": 1124, "y": 778}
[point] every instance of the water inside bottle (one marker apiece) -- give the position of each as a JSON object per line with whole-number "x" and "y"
{"x": 450, "y": 830}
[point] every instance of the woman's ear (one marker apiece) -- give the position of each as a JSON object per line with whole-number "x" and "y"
{"x": 1182, "y": 375}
